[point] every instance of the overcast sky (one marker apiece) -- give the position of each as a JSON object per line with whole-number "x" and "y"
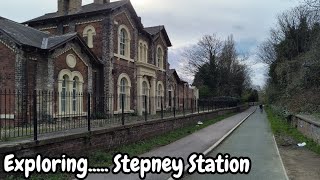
{"x": 187, "y": 21}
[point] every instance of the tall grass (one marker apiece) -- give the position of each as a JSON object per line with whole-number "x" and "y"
{"x": 280, "y": 127}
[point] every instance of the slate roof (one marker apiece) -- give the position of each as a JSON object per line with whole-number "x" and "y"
{"x": 173, "y": 72}
{"x": 154, "y": 30}
{"x": 57, "y": 40}
{"x": 27, "y": 36}
{"x": 22, "y": 34}
{"x": 93, "y": 7}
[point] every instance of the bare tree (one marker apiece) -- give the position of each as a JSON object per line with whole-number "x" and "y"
{"x": 267, "y": 53}
{"x": 313, "y": 3}
{"x": 207, "y": 49}
{"x": 216, "y": 67}
{"x": 228, "y": 53}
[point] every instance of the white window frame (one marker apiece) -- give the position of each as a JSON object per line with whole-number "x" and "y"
{"x": 75, "y": 94}
{"x": 128, "y": 91}
{"x": 63, "y": 95}
{"x": 127, "y": 49}
{"x": 143, "y": 51}
{"x": 160, "y": 94}
{"x": 145, "y": 92}
{"x": 123, "y": 42}
{"x": 123, "y": 88}
{"x": 160, "y": 58}
{"x": 69, "y": 110}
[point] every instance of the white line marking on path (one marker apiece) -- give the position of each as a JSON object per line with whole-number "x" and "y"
{"x": 220, "y": 140}
{"x": 278, "y": 152}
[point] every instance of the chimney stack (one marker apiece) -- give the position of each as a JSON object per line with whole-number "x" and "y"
{"x": 101, "y": 1}
{"x": 66, "y": 7}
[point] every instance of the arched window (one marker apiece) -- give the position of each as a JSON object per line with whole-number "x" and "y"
{"x": 160, "y": 95}
{"x": 64, "y": 91}
{"x": 124, "y": 86}
{"x": 70, "y": 86}
{"x": 88, "y": 34}
{"x": 143, "y": 51}
{"x": 160, "y": 57}
{"x": 75, "y": 94}
{"x": 145, "y": 93}
{"x": 123, "y": 93}
{"x": 124, "y": 42}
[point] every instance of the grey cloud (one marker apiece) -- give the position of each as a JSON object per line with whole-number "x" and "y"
{"x": 238, "y": 27}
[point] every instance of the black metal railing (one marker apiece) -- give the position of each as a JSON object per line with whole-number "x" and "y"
{"x": 32, "y": 114}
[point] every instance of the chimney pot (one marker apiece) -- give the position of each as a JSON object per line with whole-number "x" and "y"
{"x": 66, "y": 7}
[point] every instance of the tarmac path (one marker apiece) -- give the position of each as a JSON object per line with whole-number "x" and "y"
{"x": 197, "y": 142}
{"x": 253, "y": 139}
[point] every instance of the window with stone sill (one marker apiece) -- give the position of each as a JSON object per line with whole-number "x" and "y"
{"x": 145, "y": 93}
{"x": 124, "y": 87}
{"x": 160, "y": 95}
{"x": 160, "y": 57}
{"x": 70, "y": 93}
{"x": 124, "y": 40}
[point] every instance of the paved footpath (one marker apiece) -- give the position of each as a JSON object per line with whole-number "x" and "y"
{"x": 197, "y": 142}
{"x": 252, "y": 139}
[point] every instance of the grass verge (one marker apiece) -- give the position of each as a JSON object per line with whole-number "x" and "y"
{"x": 104, "y": 158}
{"x": 101, "y": 159}
{"x": 281, "y": 128}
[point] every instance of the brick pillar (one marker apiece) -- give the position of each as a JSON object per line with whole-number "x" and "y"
{"x": 107, "y": 57}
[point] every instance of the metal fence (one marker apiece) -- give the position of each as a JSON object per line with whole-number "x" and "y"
{"x": 31, "y": 114}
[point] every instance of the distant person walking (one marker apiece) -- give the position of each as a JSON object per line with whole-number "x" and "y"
{"x": 261, "y": 108}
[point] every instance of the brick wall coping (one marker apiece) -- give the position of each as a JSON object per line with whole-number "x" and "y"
{"x": 309, "y": 119}
{"x": 27, "y": 144}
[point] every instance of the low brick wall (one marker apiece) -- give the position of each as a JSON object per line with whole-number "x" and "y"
{"x": 83, "y": 143}
{"x": 307, "y": 126}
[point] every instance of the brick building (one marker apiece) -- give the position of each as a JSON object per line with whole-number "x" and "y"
{"x": 101, "y": 48}
{"x": 180, "y": 92}
{"x": 33, "y": 60}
